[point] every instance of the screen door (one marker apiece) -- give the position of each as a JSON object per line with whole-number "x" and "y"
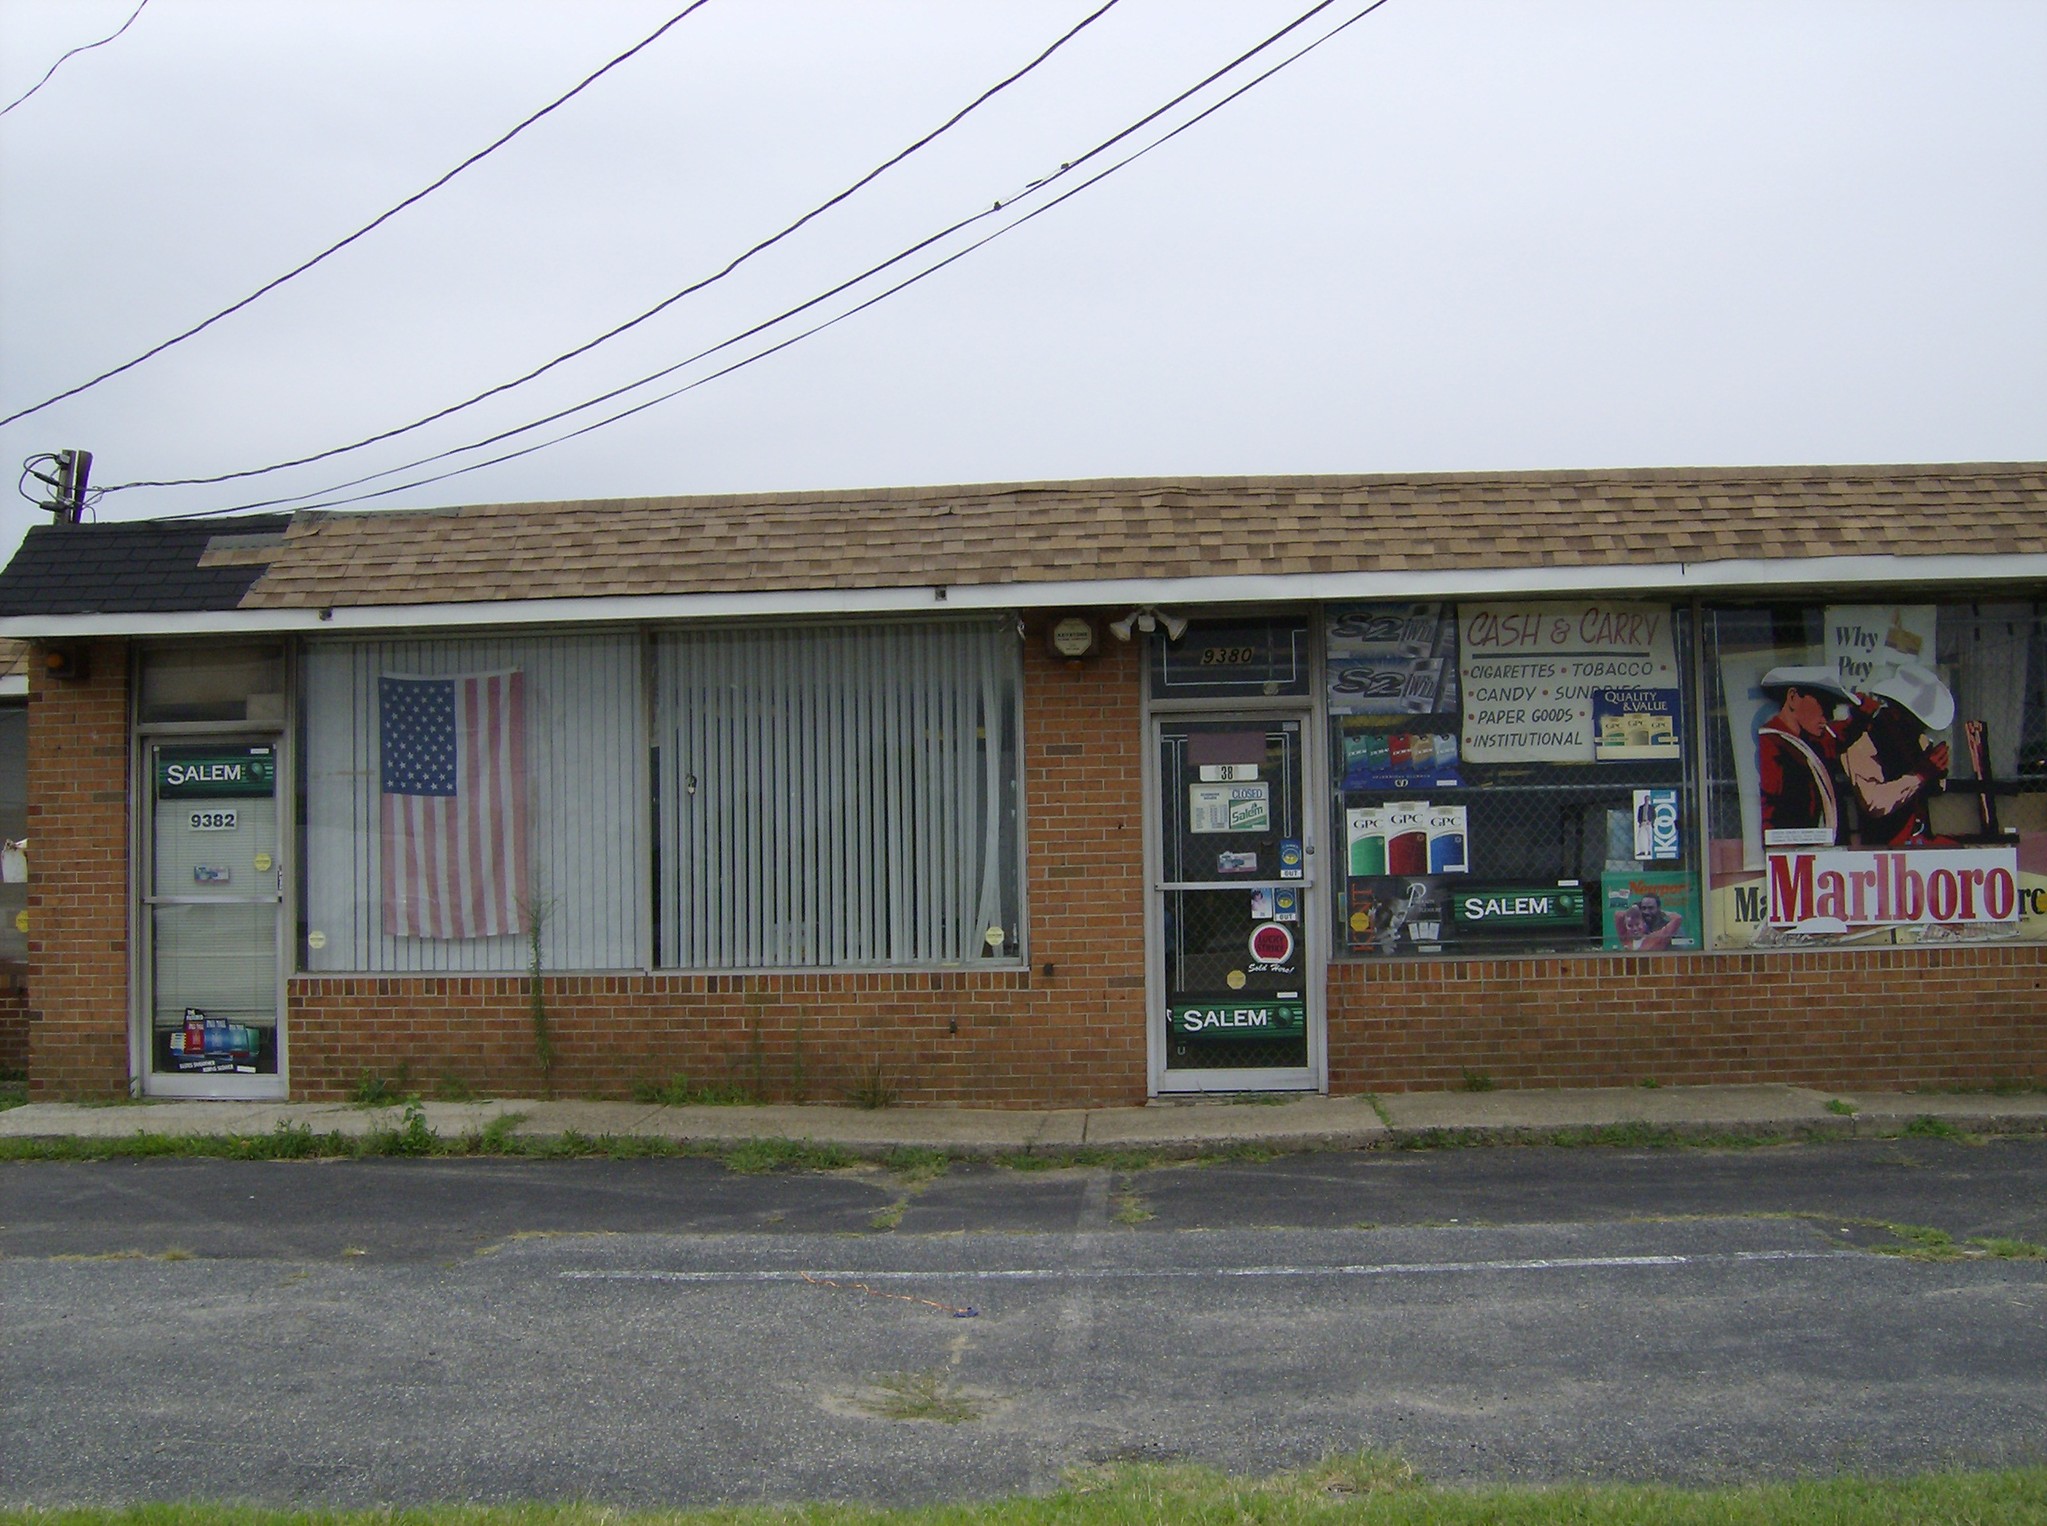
{"x": 1239, "y": 999}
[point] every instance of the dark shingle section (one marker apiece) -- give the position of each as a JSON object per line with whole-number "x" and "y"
{"x": 132, "y": 568}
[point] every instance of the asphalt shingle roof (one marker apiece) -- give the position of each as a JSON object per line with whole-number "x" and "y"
{"x": 153, "y": 567}
{"x": 1018, "y": 534}
{"x": 1026, "y": 533}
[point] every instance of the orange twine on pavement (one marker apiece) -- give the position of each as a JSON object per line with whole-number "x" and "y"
{"x": 957, "y": 1311}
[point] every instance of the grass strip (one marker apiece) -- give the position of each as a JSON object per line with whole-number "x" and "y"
{"x": 412, "y": 1135}
{"x": 1359, "y": 1490}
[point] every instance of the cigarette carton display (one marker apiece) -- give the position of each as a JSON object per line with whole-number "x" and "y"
{"x": 1448, "y": 854}
{"x": 1366, "y": 830}
{"x": 1407, "y": 836}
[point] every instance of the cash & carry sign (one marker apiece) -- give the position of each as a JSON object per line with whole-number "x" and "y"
{"x": 1539, "y": 680}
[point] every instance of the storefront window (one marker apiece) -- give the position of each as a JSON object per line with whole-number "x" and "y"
{"x": 458, "y": 791}
{"x": 1511, "y": 777}
{"x": 1876, "y": 773}
{"x": 837, "y": 797}
{"x": 218, "y": 682}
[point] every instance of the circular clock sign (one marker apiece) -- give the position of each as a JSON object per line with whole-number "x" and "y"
{"x": 1271, "y": 944}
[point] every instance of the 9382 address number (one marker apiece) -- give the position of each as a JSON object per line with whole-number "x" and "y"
{"x": 213, "y": 821}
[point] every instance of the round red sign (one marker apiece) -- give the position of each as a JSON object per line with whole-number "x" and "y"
{"x": 1272, "y": 944}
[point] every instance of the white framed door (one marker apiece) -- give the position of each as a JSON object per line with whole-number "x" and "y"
{"x": 211, "y": 925}
{"x": 1237, "y": 967}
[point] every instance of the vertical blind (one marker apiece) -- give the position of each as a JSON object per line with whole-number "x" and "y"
{"x": 841, "y": 796}
{"x": 586, "y": 746}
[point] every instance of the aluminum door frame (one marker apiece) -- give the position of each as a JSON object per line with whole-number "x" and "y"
{"x": 144, "y": 1080}
{"x": 1314, "y": 1076}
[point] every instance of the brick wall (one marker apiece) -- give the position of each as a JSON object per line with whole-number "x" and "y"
{"x": 1884, "y": 1019}
{"x": 1068, "y": 1031}
{"x": 78, "y": 891}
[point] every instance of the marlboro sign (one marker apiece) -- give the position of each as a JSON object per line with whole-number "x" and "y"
{"x": 1836, "y": 889}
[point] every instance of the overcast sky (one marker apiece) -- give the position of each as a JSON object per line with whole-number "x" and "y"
{"x": 1458, "y": 236}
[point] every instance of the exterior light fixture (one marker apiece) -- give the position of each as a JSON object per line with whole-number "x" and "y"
{"x": 1148, "y": 618}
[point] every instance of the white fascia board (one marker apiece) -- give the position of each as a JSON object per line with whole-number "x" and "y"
{"x": 1667, "y": 578}
{"x": 15, "y": 687}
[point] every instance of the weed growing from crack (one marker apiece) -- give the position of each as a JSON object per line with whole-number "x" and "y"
{"x": 1131, "y": 1208}
{"x": 678, "y": 1091}
{"x": 927, "y": 1395}
{"x": 917, "y": 1164}
{"x": 1926, "y": 1126}
{"x": 873, "y": 1090}
{"x": 761, "y": 1155}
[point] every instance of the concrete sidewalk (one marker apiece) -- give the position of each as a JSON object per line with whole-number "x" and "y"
{"x": 1171, "y": 1128}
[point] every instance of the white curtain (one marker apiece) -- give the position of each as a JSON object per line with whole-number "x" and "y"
{"x": 838, "y": 796}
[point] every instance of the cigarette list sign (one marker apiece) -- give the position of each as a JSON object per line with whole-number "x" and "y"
{"x": 1532, "y": 675}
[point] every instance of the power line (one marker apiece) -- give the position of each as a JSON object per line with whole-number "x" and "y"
{"x": 369, "y": 227}
{"x": 664, "y": 304}
{"x": 912, "y": 280}
{"x": 81, "y": 48}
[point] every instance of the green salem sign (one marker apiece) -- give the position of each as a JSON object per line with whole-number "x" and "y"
{"x": 1520, "y": 906}
{"x": 1245, "y": 1019}
{"x": 211, "y": 773}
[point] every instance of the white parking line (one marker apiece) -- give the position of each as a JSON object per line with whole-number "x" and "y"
{"x": 1138, "y": 1273}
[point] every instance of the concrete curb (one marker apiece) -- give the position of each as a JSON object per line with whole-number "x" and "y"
{"x": 1605, "y": 1116}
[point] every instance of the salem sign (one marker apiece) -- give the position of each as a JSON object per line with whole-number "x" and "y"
{"x": 1835, "y": 889}
{"x": 1260, "y": 1020}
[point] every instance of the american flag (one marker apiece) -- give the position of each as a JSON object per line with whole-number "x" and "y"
{"x": 453, "y": 752}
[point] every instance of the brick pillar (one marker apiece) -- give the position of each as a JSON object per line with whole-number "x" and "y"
{"x": 1083, "y": 783}
{"x": 78, "y": 877}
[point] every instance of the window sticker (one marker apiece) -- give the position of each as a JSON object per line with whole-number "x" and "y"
{"x": 1229, "y": 808}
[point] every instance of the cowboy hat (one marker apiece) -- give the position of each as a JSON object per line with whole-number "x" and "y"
{"x": 1816, "y": 678}
{"x": 1918, "y": 689}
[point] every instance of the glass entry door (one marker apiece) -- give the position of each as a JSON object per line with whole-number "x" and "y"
{"x": 1238, "y": 974}
{"x": 212, "y": 908}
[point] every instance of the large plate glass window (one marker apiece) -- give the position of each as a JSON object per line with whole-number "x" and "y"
{"x": 462, "y": 792}
{"x": 1876, "y": 773}
{"x": 1510, "y": 777}
{"x": 833, "y": 797}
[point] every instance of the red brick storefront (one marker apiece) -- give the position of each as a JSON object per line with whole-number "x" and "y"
{"x": 78, "y": 904}
{"x": 1069, "y": 1030}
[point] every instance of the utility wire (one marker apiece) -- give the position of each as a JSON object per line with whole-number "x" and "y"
{"x": 663, "y": 305}
{"x": 81, "y": 48}
{"x": 819, "y": 328}
{"x": 369, "y": 227}
{"x": 996, "y": 209}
